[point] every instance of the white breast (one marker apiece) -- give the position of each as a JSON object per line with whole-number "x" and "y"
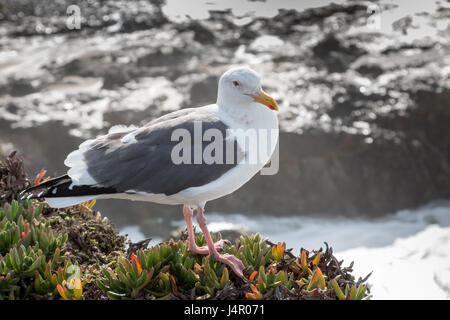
{"x": 257, "y": 120}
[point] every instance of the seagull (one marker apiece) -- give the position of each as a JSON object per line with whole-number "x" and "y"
{"x": 187, "y": 157}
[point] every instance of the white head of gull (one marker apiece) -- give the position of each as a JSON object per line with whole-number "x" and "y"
{"x": 143, "y": 163}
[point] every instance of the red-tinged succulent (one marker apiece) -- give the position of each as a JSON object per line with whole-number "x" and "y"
{"x": 255, "y": 294}
{"x": 317, "y": 280}
{"x": 135, "y": 262}
{"x": 72, "y": 290}
{"x": 278, "y": 251}
{"x": 252, "y": 276}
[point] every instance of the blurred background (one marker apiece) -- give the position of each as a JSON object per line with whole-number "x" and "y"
{"x": 363, "y": 89}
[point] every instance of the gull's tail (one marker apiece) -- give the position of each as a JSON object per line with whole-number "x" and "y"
{"x": 60, "y": 192}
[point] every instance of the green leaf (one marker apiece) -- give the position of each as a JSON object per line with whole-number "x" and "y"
{"x": 361, "y": 292}
{"x": 353, "y": 293}
{"x": 337, "y": 290}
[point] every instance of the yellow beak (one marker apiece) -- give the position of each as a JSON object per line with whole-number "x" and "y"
{"x": 266, "y": 100}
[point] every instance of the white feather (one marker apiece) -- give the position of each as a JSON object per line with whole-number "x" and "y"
{"x": 78, "y": 169}
{"x": 121, "y": 128}
{"x": 128, "y": 138}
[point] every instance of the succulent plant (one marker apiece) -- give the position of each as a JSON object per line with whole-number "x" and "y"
{"x": 32, "y": 257}
{"x": 68, "y": 282}
{"x": 34, "y": 263}
{"x": 24, "y": 209}
{"x": 127, "y": 280}
{"x": 20, "y": 224}
{"x": 253, "y": 251}
{"x": 169, "y": 270}
{"x": 71, "y": 290}
{"x": 8, "y": 285}
{"x": 271, "y": 279}
{"x": 350, "y": 293}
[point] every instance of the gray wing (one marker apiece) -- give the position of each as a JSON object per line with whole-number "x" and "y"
{"x": 145, "y": 164}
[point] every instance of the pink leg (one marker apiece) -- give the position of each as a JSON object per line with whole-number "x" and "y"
{"x": 235, "y": 264}
{"x": 188, "y": 213}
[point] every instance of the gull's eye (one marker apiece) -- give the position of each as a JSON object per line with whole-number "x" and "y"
{"x": 235, "y": 83}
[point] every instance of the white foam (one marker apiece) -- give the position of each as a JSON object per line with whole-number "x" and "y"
{"x": 414, "y": 267}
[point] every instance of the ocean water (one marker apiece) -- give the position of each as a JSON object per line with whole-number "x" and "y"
{"x": 408, "y": 252}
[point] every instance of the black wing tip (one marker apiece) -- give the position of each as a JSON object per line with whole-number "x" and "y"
{"x": 62, "y": 187}
{"x": 48, "y": 184}
{"x": 23, "y": 194}
{"x": 28, "y": 194}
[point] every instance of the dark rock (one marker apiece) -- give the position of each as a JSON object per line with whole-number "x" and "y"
{"x": 204, "y": 92}
{"x": 201, "y": 33}
{"x": 334, "y": 55}
{"x": 169, "y": 57}
{"x": 114, "y": 75}
{"x": 371, "y": 70}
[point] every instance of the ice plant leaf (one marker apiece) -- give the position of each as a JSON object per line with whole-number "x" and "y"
{"x": 78, "y": 290}
{"x": 303, "y": 260}
{"x": 254, "y": 295}
{"x": 301, "y": 282}
{"x": 136, "y": 261}
{"x": 61, "y": 292}
{"x": 174, "y": 285}
{"x": 337, "y": 290}
{"x": 225, "y": 277}
{"x": 353, "y": 293}
{"x": 278, "y": 251}
{"x": 320, "y": 278}
{"x": 361, "y": 292}
{"x": 316, "y": 259}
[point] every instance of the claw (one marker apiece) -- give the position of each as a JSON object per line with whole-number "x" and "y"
{"x": 204, "y": 249}
{"x": 234, "y": 263}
